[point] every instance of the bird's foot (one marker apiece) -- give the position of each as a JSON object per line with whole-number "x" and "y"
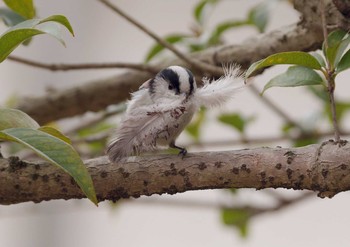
{"x": 182, "y": 152}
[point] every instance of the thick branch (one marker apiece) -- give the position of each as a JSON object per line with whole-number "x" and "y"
{"x": 324, "y": 168}
{"x": 93, "y": 96}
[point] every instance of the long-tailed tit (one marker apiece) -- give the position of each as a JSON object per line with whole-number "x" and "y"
{"x": 159, "y": 111}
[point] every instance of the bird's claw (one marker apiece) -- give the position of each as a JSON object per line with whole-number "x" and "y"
{"x": 183, "y": 152}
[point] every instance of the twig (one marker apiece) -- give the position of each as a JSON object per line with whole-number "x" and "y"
{"x": 98, "y": 118}
{"x": 65, "y": 67}
{"x": 333, "y": 110}
{"x": 205, "y": 67}
{"x": 283, "y": 203}
{"x": 329, "y": 74}
{"x": 324, "y": 24}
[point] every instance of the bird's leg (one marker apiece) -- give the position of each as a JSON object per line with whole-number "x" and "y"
{"x": 183, "y": 151}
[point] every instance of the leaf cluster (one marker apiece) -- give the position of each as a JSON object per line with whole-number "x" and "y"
{"x": 17, "y": 126}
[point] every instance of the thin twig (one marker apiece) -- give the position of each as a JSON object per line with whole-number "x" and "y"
{"x": 330, "y": 76}
{"x": 66, "y": 67}
{"x": 283, "y": 204}
{"x": 99, "y": 117}
{"x": 205, "y": 67}
{"x": 334, "y": 114}
{"x": 324, "y": 24}
{"x": 254, "y": 211}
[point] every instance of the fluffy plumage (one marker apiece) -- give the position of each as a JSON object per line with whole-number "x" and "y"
{"x": 214, "y": 93}
{"x": 163, "y": 106}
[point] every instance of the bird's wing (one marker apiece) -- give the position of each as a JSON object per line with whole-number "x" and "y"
{"x": 140, "y": 128}
{"x": 216, "y": 92}
{"x": 138, "y": 98}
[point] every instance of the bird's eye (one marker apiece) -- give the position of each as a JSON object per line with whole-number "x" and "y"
{"x": 170, "y": 87}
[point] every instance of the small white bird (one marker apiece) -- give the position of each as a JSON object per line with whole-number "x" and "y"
{"x": 159, "y": 111}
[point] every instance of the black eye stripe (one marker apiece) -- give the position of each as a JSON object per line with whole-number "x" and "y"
{"x": 171, "y": 77}
{"x": 191, "y": 81}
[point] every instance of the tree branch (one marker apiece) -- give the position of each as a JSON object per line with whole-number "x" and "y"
{"x": 80, "y": 66}
{"x": 208, "y": 68}
{"x": 324, "y": 168}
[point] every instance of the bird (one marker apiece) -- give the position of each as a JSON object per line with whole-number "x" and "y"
{"x": 164, "y": 105}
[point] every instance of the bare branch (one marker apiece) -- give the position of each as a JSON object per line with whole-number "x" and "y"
{"x": 324, "y": 168}
{"x": 94, "y": 96}
{"x": 66, "y": 67}
{"x": 208, "y": 68}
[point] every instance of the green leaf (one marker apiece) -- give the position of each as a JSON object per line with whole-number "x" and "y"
{"x": 10, "y": 40}
{"x": 10, "y": 18}
{"x": 233, "y": 191}
{"x": 157, "y": 48}
{"x": 24, "y": 8}
{"x": 287, "y": 127}
{"x": 193, "y": 129}
{"x": 56, "y": 133}
{"x": 293, "y": 57}
{"x": 295, "y": 76}
{"x": 59, "y": 19}
{"x": 319, "y": 58}
{"x": 334, "y": 50}
{"x": 305, "y": 141}
{"x": 97, "y": 147}
{"x": 219, "y": 30}
{"x": 344, "y": 63}
{"x": 201, "y": 9}
{"x": 56, "y": 152}
{"x": 12, "y": 118}
{"x": 259, "y": 15}
{"x": 95, "y": 129}
{"x": 341, "y": 49}
{"x": 235, "y": 120}
{"x": 238, "y": 218}
{"x": 27, "y": 29}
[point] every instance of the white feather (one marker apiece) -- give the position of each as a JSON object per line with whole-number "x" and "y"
{"x": 216, "y": 92}
{"x": 138, "y": 98}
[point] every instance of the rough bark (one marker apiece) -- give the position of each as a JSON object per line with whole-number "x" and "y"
{"x": 303, "y": 36}
{"x": 324, "y": 168}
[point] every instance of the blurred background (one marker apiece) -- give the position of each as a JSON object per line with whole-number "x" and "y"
{"x": 194, "y": 218}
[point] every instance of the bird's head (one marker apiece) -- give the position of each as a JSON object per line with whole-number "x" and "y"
{"x": 171, "y": 82}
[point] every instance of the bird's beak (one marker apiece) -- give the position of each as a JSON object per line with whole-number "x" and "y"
{"x": 145, "y": 85}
